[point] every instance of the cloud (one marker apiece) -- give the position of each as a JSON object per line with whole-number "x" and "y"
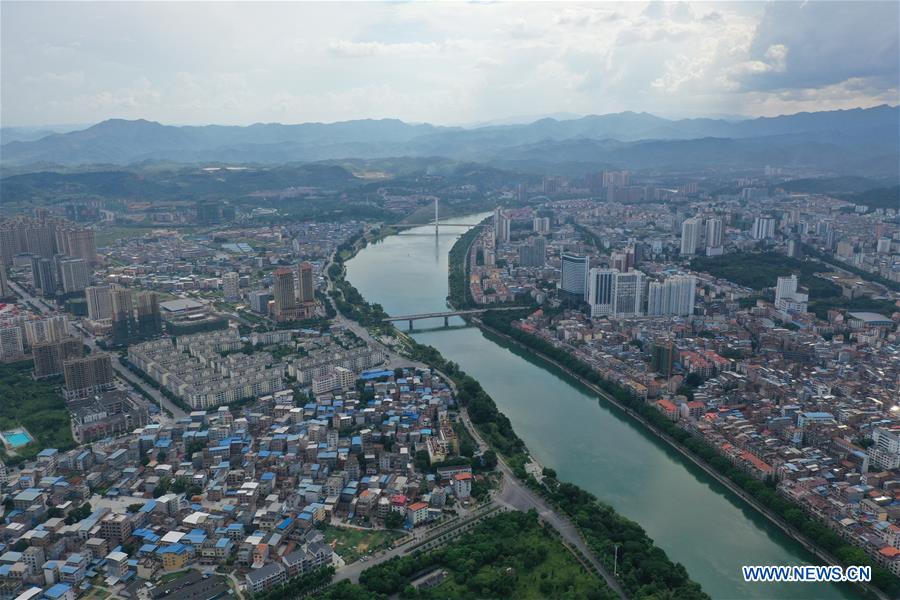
{"x": 348, "y": 49}
{"x": 438, "y": 62}
{"x": 812, "y": 44}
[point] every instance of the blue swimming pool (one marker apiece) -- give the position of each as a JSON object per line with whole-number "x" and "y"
{"x": 16, "y": 438}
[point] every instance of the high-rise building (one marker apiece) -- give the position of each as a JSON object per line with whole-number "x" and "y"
{"x": 501, "y": 226}
{"x": 763, "y": 228}
{"x": 690, "y": 236}
{"x": 149, "y": 321}
{"x": 787, "y": 297}
{"x": 285, "y": 297}
{"x": 662, "y": 358}
{"x": 614, "y": 293}
{"x": 259, "y": 301}
{"x": 123, "y": 323}
{"x": 622, "y": 261}
{"x": 715, "y": 230}
{"x": 600, "y": 291}
{"x": 306, "y": 291}
{"x": 49, "y": 329}
{"x": 574, "y": 275}
{"x": 50, "y": 356}
{"x": 533, "y": 254}
{"x": 99, "y": 302}
{"x": 77, "y": 242}
{"x": 674, "y": 296}
{"x": 74, "y": 275}
{"x": 209, "y": 213}
{"x": 628, "y": 292}
{"x": 11, "y": 346}
{"x": 231, "y": 286}
{"x": 43, "y": 276}
{"x": 88, "y": 375}
{"x": 615, "y": 179}
{"x": 5, "y": 290}
{"x": 541, "y": 225}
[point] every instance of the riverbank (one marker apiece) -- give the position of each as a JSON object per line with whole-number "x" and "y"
{"x": 772, "y": 516}
{"x": 842, "y": 552}
{"x": 646, "y": 573}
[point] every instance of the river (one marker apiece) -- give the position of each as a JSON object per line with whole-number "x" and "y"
{"x": 691, "y": 516}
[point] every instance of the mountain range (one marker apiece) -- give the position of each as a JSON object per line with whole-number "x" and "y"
{"x": 856, "y": 141}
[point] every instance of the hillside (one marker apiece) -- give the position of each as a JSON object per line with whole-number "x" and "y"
{"x": 858, "y": 141}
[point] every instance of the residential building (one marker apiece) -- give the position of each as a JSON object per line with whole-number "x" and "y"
{"x": 99, "y": 302}
{"x": 231, "y": 286}
{"x": 88, "y": 375}
{"x": 690, "y": 236}
{"x": 673, "y": 296}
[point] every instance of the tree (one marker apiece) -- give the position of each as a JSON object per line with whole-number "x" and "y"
{"x": 422, "y": 461}
{"x": 394, "y": 520}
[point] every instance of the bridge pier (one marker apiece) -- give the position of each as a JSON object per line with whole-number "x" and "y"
{"x": 410, "y": 325}
{"x": 446, "y": 321}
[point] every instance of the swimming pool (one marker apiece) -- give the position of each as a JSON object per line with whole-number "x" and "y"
{"x": 16, "y": 438}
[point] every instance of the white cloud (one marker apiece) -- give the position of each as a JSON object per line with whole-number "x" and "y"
{"x": 437, "y": 62}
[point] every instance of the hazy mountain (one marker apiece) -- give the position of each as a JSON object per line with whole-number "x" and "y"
{"x": 28, "y": 134}
{"x": 855, "y": 139}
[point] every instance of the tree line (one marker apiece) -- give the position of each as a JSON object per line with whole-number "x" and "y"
{"x": 764, "y": 492}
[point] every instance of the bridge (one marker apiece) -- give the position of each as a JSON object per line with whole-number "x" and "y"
{"x": 446, "y": 315}
{"x": 437, "y": 222}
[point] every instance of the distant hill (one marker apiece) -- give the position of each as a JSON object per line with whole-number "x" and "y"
{"x": 184, "y": 183}
{"x": 858, "y": 141}
{"x": 886, "y": 197}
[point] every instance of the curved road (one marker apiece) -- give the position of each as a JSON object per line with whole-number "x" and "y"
{"x": 514, "y": 493}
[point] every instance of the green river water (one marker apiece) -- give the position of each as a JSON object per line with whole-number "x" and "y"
{"x": 691, "y": 516}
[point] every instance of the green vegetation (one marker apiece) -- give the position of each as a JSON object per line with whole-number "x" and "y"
{"x": 109, "y": 235}
{"x": 351, "y": 544}
{"x": 507, "y": 556}
{"x": 647, "y": 580}
{"x": 36, "y": 405}
{"x": 761, "y": 270}
{"x": 300, "y": 586}
{"x": 457, "y": 270}
{"x": 763, "y": 492}
{"x": 644, "y": 569}
{"x": 885, "y": 197}
{"x": 493, "y": 425}
{"x": 82, "y": 512}
{"x": 590, "y": 236}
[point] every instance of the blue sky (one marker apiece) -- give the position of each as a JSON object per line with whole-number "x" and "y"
{"x": 444, "y": 63}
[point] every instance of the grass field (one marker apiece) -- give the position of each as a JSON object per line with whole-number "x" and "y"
{"x": 559, "y": 575}
{"x": 39, "y": 406}
{"x": 351, "y": 544}
{"x": 510, "y": 555}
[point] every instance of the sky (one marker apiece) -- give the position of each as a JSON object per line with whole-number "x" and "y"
{"x": 439, "y": 62}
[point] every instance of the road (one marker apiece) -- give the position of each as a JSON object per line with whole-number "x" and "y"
{"x": 136, "y": 382}
{"x": 514, "y": 493}
{"x": 122, "y": 371}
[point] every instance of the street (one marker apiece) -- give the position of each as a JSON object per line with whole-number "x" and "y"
{"x": 122, "y": 371}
